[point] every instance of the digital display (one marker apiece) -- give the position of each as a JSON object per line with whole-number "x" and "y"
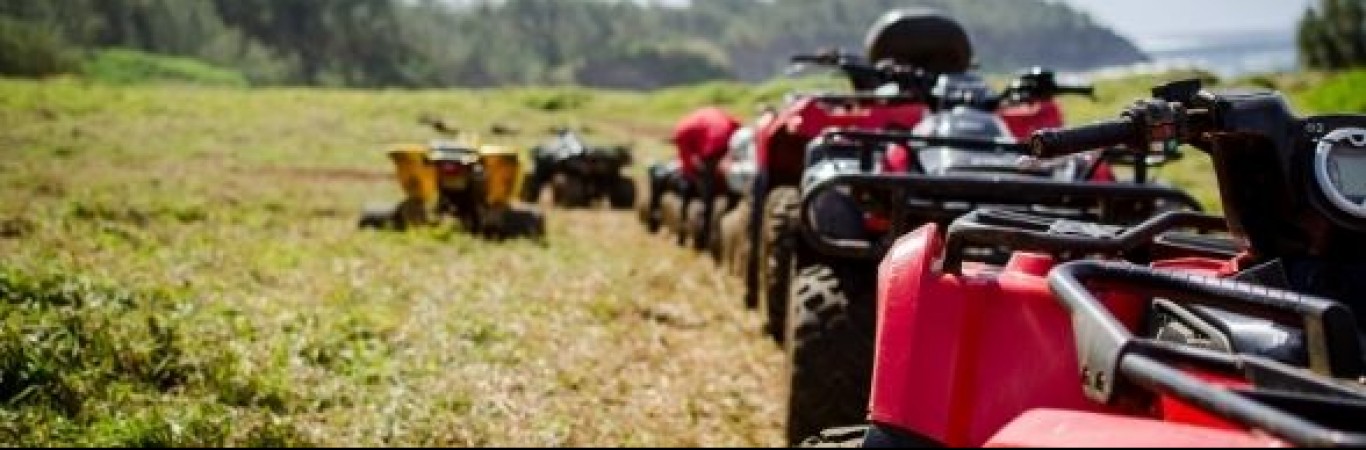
{"x": 1347, "y": 167}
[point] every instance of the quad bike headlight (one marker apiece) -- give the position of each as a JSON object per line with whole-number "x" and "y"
{"x": 1340, "y": 170}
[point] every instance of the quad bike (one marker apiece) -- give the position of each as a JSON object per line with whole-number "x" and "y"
{"x": 578, "y": 174}
{"x": 1151, "y": 335}
{"x": 952, "y": 104}
{"x": 918, "y": 38}
{"x": 474, "y": 183}
{"x": 863, "y": 189}
{"x": 690, "y": 188}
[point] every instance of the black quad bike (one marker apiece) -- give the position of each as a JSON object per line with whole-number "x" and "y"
{"x": 864, "y": 189}
{"x": 579, "y": 175}
{"x": 1159, "y": 342}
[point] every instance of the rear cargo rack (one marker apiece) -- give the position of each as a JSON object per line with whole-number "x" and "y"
{"x": 1313, "y": 407}
{"x": 1110, "y": 202}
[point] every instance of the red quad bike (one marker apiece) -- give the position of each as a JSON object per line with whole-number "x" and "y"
{"x": 916, "y": 37}
{"x": 1147, "y": 336}
{"x": 864, "y": 189}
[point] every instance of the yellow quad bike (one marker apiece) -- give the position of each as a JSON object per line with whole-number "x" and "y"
{"x": 474, "y": 183}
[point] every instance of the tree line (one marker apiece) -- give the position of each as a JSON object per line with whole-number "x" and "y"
{"x": 1332, "y": 35}
{"x": 425, "y": 43}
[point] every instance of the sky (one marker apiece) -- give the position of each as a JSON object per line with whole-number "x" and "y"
{"x": 1146, "y": 20}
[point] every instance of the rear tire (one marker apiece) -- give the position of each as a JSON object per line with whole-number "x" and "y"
{"x": 378, "y": 218}
{"x": 776, "y": 250}
{"x": 731, "y": 234}
{"x": 692, "y": 229}
{"x": 524, "y": 222}
{"x": 671, "y": 214}
{"x": 531, "y": 189}
{"x": 623, "y": 194}
{"x": 830, "y": 348}
{"x": 569, "y": 192}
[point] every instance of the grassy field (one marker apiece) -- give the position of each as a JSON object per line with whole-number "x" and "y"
{"x": 180, "y": 266}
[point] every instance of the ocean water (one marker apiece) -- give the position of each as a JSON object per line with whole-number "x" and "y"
{"x": 1227, "y": 54}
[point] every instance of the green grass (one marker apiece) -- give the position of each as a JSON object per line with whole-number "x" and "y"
{"x": 126, "y": 67}
{"x": 181, "y": 267}
{"x": 1344, "y": 93}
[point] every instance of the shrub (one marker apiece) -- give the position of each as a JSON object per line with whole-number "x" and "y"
{"x": 124, "y": 67}
{"x": 30, "y": 50}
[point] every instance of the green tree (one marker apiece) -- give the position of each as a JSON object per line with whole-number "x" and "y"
{"x": 1332, "y": 35}
{"x": 31, "y": 50}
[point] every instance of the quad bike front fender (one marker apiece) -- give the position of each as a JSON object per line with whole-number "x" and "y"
{"x": 961, "y": 355}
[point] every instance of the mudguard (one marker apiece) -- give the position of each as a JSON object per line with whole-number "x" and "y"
{"x": 960, "y": 356}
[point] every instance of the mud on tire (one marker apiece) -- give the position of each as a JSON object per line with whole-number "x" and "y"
{"x": 830, "y": 347}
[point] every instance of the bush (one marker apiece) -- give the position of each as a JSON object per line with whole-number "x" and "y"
{"x": 124, "y": 67}
{"x": 29, "y": 50}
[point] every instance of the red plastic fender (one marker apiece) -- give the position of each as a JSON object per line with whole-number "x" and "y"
{"x": 801, "y": 121}
{"x": 1048, "y": 428}
{"x": 959, "y": 356}
{"x": 1026, "y": 118}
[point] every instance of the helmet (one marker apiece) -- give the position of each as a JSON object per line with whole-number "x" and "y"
{"x": 922, "y": 38}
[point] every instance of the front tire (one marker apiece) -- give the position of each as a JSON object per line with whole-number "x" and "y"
{"x": 830, "y": 347}
{"x": 778, "y": 228}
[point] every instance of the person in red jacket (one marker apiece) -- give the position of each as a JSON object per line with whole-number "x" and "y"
{"x": 702, "y": 139}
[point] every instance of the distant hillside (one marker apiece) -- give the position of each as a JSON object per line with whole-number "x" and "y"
{"x": 600, "y": 43}
{"x": 751, "y": 40}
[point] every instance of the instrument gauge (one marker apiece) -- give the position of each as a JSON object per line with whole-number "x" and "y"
{"x": 1340, "y": 170}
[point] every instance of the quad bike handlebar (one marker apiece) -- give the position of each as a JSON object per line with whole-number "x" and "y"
{"x": 917, "y": 83}
{"x": 1259, "y": 149}
{"x": 1175, "y": 115}
{"x": 918, "y": 141}
{"x": 1055, "y": 143}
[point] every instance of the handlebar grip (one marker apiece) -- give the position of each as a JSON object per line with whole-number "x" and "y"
{"x": 1087, "y": 90}
{"x": 817, "y": 59}
{"x": 1062, "y": 142}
